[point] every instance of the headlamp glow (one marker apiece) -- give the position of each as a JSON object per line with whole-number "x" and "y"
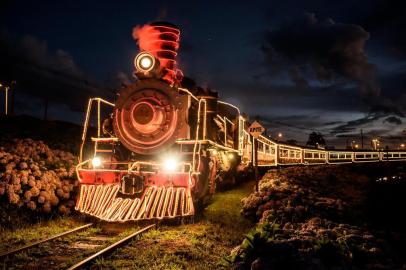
{"x": 96, "y": 162}
{"x": 144, "y": 62}
{"x": 170, "y": 164}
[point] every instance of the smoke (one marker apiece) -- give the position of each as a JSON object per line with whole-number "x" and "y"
{"x": 122, "y": 78}
{"x": 322, "y": 50}
{"x": 143, "y": 36}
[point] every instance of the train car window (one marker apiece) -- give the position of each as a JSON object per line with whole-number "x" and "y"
{"x": 323, "y": 155}
{"x": 395, "y": 155}
{"x": 341, "y": 156}
{"x": 316, "y": 155}
{"x": 348, "y": 156}
{"x": 297, "y": 154}
{"x": 308, "y": 155}
{"x": 375, "y": 155}
{"x": 368, "y": 156}
{"x": 333, "y": 156}
{"x": 291, "y": 154}
{"x": 260, "y": 146}
{"x": 359, "y": 156}
{"x": 272, "y": 150}
{"x": 403, "y": 155}
{"x": 285, "y": 153}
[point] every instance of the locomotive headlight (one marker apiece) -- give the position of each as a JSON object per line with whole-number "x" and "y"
{"x": 96, "y": 162}
{"x": 144, "y": 62}
{"x": 170, "y": 164}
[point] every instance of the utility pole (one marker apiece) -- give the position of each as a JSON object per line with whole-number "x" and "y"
{"x": 6, "y": 88}
{"x": 256, "y": 164}
{"x": 362, "y": 139}
{"x": 256, "y": 129}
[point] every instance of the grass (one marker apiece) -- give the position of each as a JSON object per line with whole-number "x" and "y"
{"x": 200, "y": 245}
{"x": 26, "y": 234}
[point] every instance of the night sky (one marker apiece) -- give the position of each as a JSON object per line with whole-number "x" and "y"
{"x": 334, "y": 67}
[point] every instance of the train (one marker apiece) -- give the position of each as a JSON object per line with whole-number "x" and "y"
{"x": 166, "y": 144}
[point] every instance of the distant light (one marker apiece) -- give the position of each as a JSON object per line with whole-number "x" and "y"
{"x": 230, "y": 156}
{"x": 214, "y": 152}
{"x": 170, "y": 164}
{"x": 96, "y": 162}
{"x": 402, "y": 145}
{"x": 280, "y": 135}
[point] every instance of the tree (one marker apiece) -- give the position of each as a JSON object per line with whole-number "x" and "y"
{"x": 316, "y": 139}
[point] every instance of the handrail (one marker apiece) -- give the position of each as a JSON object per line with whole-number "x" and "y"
{"x": 231, "y": 105}
{"x": 87, "y": 118}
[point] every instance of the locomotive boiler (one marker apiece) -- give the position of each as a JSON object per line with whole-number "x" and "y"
{"x": 164, "y": 146}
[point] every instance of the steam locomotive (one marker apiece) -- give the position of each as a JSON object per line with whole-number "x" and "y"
{"x": 167, "y": 143}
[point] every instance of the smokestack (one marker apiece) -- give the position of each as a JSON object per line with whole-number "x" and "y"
{"x": 161, "y": 39}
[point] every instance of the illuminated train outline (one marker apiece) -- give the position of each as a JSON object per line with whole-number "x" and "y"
{"x": 157, "y": 200}
{"x": 167, "y": 182}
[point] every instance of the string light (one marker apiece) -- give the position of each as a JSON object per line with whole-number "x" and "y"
{"x": 159, "y": 202}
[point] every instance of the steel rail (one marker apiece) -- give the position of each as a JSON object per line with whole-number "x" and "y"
{"x": 109, "y": 248}
{"x": 44, "y": 240}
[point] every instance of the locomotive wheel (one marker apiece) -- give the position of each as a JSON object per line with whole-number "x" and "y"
{"x": 205, "y": 188}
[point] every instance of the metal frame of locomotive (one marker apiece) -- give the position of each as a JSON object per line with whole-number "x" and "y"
{"x": 165, "y": 147}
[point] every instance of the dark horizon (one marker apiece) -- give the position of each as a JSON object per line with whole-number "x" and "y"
{"x": 334, "y": 68}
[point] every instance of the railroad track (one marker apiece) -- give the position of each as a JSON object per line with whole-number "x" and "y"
{"x": 23, "y": 248}
{"x": 57, "y": 252}
{"x": 110, "y": 248}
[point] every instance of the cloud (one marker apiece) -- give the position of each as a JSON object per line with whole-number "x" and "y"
{"x": 386, "y": 20}
{"x": 393, "y": 120}
{"x": 373, "y": 124}
{"x": 40, "y": 72}
{"x": 315, "y": 51}
{"x": 329, "y": 50}
{"x": 354, "y": 125}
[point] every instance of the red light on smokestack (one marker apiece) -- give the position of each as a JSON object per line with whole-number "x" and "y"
{"x": 161, "y": 39}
